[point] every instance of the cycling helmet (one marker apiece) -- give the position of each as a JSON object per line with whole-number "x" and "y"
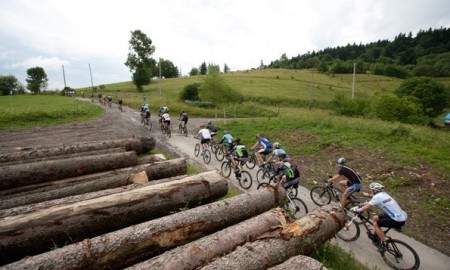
{"x": 282, "y": 156}
{"x": 237, "y": 140}
{"x": 277, "y": 145}
{"x": 209, "y": 121}
{"x": 258, "y": 135}
{"x": 225, "y": 132}
{"x": 182, "y": 111}
{"x": 376, "y": 187}
{"x": 341, "y": 161}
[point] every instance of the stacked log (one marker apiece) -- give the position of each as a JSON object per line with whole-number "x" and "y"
{"x": 142, "y": 145}
{"x": 131, "y": 245}
{"x": 32, "y": 173}
{"x": 36, "y": 232}
{"x": 88, "y": 184}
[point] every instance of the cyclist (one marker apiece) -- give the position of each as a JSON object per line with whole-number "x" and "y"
{"x": 276, "y": 153}
{"x": 100, "y": 100}
{"x": 146, "y": 115}
{"x": 166, "y": 120}
{"x": 264, "y": 147}
{"x": 238, "y": 153}
{"x": 144, "y": 107}
{"x": 109, "y": 98}
{"x": 183, "y": 118}
{"x": 227, "y": 141}
{"x": 392, "y": 217}
{"x": 163, "y": 109}
{"x": 287, "y": 173}
{"x": 204, "y": 135}
{"x": 351, "y": 185}
{"x": 212, "y": 130}
{"x": 120, "y": 102}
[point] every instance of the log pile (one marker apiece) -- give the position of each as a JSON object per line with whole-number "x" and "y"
{"x": 98, "y": 206}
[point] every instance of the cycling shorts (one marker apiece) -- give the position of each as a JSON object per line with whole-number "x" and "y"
{"x": 386, "y": 221}
{"x": 167, "y": 122}
{"x": 228, "y": 145}
{"x": 265, "y": 151}
{"x": 203, "y": 141}
{"x": 292, "y": 182}
{"x": 353, "y": 187}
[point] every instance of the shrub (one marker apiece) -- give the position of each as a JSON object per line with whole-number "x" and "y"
{"x": 343, "y": 105}
{"x": 393, "y": 108}
{"x": 190, "y": 92}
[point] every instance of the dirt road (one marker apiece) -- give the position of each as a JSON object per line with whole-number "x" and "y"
{"x": 127, "y": 123}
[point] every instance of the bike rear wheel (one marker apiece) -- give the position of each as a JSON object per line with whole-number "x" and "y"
{"x": 263, "y": 175}
{"x": 207, "y": 156}
{"x": 251, "y": 162}
{"x": 197, "y": 149}
{"x": 400, "y": 255}
{"x": 349, "y": 233}
{"x": 219, "y": 154}
{"x": 296, "y": 208}
{"x": 168, "y": 133}
{"x": 185, "y": 131}
{"x": 320, "y": 195}
{"x": 226, "y": 168}
{"x": 246, "y": 180}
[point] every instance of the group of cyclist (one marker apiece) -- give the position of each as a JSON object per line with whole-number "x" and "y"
{"x": 163, "y": 115}
{"x": 288, "y": 174}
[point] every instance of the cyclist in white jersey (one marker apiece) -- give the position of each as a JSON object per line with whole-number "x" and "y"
{"x": 392, "y": 217}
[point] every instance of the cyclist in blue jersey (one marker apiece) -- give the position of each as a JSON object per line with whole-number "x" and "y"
{"x": 227, "y": 141}
{"x": 276, "y": 153}
{"x": 264, "y": 147}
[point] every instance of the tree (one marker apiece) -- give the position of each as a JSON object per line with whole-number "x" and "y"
{"x": 139, "y": 60}
{"x": 10, "y": 85}
{"x": 226, "y": 69}
{"x": 431, "y": 95}
{"x": 194, "y": 72}
{"x": 168, "y": 69}
{"x": 214, "y": 89}
{"x": 36, "y": 80}
{"x": 203, "y": 68}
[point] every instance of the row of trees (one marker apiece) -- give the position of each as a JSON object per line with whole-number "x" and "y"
{"x": 427, "y": 54}
{"x": 36, "y": 82}
{"x": 203, "y": 69}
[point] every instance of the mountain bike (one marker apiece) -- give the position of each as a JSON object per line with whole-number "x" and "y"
{"x": 167, "y": 131}
{"x": 219, "y": 153}
{"x": 206, "y": 154}
{"x": 245, "y": 180}
{"x": 147, "y": 123}
{"x": 323, "y": 193}
{"x": 294, "y": 206}
{"x": 397, "y": 254}
{"x": 182, "y": 129}
{"x": 265, "y": 173}
{"x": 253, "y": 160}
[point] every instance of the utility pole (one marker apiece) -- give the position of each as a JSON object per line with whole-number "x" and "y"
{"x": 64, "y": 77}
{"x": 311, "y": 89}
{"x": 160, "y": 76}
{"x": 92, "y": 83}
{"x": 353, "y": 85}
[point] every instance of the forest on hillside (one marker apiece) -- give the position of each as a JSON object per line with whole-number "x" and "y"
{"x": 426, "y": 54}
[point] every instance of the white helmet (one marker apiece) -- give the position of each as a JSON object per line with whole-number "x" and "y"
{"x": 341, "y": 161}
{"x": 277, "y": 145}
{"x": 376, "y": 186}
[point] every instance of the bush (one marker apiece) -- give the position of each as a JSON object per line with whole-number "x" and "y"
{"x": 393, "y": 108}
{"x": 190, "y": 92}
{"x": 343, "y": 105}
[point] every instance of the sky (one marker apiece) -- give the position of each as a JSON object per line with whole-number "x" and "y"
{"x": 72, "y": 39}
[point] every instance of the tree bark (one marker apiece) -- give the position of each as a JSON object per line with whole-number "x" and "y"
{"x": 22, "y": 203}
{"x": 49, "y": 185}
{"x": 142, "y": 145}
{"x": 297, "y": 238}
{"x": 32, "y": 173}
{"x": 300, "y": 262}
{"x": 205, "y": 249}
{"x": 29, "y": 234}
{"x": 79, "y": 154}
{"x": 158, "y": 170}
{"x": 131, "y": 245}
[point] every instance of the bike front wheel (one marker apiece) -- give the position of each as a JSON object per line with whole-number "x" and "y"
{"x": 207, "y": 156}
{"x": 400, "y": 255}
{"x": 219, "y": 154}
{"x": 349, "y": 233}
{"x": 168, "y": 133}
{"x": 263, "y": 175}
{"x": 185, "y": 131}
{"x": 226, "y": 168}
{"x": 246, "y": 180}
{"x": 197, "y": 149}
{"x": 320, "y": 195}
{"x": 296, "y": 208}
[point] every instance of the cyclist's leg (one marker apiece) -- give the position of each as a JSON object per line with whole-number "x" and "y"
{"x": 383, "y": 220}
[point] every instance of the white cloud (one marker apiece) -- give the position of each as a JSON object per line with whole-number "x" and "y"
{"x": 238, "y": 33}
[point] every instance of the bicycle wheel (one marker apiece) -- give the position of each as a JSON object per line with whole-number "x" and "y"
{"x": 207, "y": 156}
{"x": 197, "y": 149}
{"x": 168, "y": 133}
{"x": 150, "y": 125}
{"x": 263, "y": 175}
{"x": 219, "y": 154}
{"x": 251, "y": 163}
{"x": 246, "y": 180}
{"x": 351, "y": 204}
{"x": 180, "y": 128}
{"x": 400, "y": 255}
{"x": 349, "y": 233}
{"x": 262, "y": 185}
{"x": 296, "y": 208}
{"x": 320, "y": 195}
{"x": 226, "y": 168}
{"x": 185, "y": 131}
{"x": 292, "y": 192}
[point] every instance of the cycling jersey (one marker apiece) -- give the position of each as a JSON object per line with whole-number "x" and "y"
{"x": 227, "y": 138}
{"x": 350, "y": 174}
{"x": 389, "y": 206}
{"x": 166, "y": 117}
{"x": 264, "y": 143}
{"x": 212, "y": 128}
{"x": 278, "y": 152}
{"x": 204, "y": 132}
{"x": 241, "y": 151}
